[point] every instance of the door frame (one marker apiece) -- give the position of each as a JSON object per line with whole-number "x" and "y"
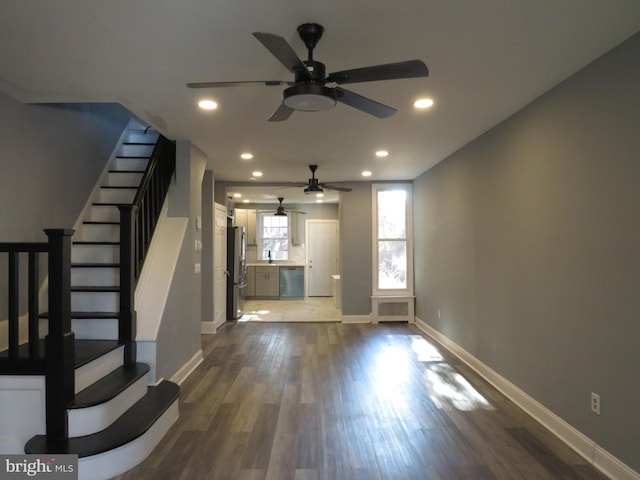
{"x": 307, "y": 222}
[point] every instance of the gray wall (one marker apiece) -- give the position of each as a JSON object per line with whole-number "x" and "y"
{"x": 50, "y": 158}
{"x": 179, "y": 334}
{"x": 527, "y": 242}
{"x": 208, "y": 235}
{"x": 355, "y": 249}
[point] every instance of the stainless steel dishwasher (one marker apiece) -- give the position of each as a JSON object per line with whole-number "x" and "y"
{"x": 291, "y": 282}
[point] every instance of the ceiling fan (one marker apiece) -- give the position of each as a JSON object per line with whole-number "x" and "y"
{"x": 314, "y": 186}
{"x": 281, "y": 212}
{"x": 308, "y": 92}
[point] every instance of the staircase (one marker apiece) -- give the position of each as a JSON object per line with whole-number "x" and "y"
{"x": 116, "y": 418}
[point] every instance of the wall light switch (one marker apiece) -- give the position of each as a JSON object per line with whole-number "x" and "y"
{"x": 198, "y": 223}
{"x": 197, "y": 269}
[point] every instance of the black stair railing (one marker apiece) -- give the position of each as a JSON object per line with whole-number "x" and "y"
{"x": 137, "y": 224}
{"x": 54, "y": 359}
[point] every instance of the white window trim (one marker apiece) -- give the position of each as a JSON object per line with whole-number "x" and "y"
{"x": 375, "y": 188}
{"x": 260, "y": 235}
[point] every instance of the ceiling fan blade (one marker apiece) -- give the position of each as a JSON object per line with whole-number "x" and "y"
{"x": 365, "y": 104}
{"x": 290, "y": 185}
{"x": 281, "y": 114}
{"x": 335, "y": 187}
{"x": 280, "y": 49}
{"x": 387, "y": 71}
{"x": 249, "y": 83}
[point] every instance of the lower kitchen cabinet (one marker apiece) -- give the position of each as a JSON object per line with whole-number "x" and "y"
{"x": 250, "y": 289}
{"x": 267, "y": 282}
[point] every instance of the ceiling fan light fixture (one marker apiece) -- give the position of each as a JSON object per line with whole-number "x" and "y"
{"x": 309, "y": 97}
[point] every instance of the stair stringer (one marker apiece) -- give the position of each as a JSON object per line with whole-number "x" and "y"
{"x": 154, "y": 284}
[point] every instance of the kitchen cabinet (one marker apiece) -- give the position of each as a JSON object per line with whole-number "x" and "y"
{"x": 246, "y": 217}
{"x": 297, "y": 228}
{"x": 250, "y": 289}
{"x": 252, "y": 215}
{"x": 240, "y": 218}
{"x": 267, "y": 281}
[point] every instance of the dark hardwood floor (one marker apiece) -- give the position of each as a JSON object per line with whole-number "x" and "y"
{"x": 328, "y": 401}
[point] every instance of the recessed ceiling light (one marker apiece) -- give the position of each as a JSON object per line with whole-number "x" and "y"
{"x": 366, "y": 173}
{"x": 382, "y": 153}
{"x": 318, "y": 201}
{"x": 246, "y": 156}
{"x": 237, "y": 195}
{"x": 256, "y": 173}
{"x": 207, "y": 104}
{"x": 319, "y": 195}
{"x": 423, "y": 103}
{"x": 246, "y": 200}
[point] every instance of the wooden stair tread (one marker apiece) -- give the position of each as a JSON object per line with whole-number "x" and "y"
{"x": 128, "y": 427}
{"x": 95, "y": 288}
{"x": 87, "y": 315}
{"x": 109, "y": 204}
{"x": 89, "y": 350}
{"x": 95, "y": 265}
{"x": 109, "y": 386}
{"x": 86, "y": 350}
{"x": 92, "y": 242}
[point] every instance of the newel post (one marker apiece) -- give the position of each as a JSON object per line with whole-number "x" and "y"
{"x": 59, "y": 343}
{"x": 127, "y": 318}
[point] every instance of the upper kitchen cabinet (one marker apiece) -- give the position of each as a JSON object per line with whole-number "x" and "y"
{"x": 297, "y": 228}
{"x": 247, "y": 218}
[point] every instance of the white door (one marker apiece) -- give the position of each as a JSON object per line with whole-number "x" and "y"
{"x": 322, "y": 256}
{"x": 219, "y": 267}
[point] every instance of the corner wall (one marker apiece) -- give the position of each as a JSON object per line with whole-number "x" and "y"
{"x": 178, "y": 342}
{"x": 527, "y": 243}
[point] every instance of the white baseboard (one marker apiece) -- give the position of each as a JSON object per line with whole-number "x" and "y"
{"x": 209, "y": 328}
{"x": 181, "y": 375}
{"x": 583, "y": 445}
{"x": 356, "y": 319}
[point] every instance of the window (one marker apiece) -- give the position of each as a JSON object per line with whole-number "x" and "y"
{"x": 274, "y": 240}
{"x": 392, "y": 251}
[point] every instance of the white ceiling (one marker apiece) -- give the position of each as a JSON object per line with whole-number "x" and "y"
{"x": 487, "y": 59}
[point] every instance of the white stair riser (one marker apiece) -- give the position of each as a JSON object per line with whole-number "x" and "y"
{"x": 139, "y": 136}
{"x": 124, "y": 179}
{"x": 95, "y": 254}
{"x": 136, "y": 150}
{"x": 117, "y": 195}
{"x": 85, "y": 421}
{"x": 94, "y": 301}
{"x": 95, "y": 329}
{"x": 99, "y": 233}
{"x": 95, "y": 370}
{"x": 95, "y": 276}
{"x": 104, "y": 214}
{"x": 136, "y": 164}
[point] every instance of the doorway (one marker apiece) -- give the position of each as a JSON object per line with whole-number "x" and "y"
{"x": 322, "y": 256}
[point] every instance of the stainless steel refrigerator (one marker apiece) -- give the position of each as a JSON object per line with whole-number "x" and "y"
{"x": 236, "y": 271}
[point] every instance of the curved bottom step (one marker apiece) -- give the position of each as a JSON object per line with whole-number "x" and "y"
{"x": 126, "y": 442}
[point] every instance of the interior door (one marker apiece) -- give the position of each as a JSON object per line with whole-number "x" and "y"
{"x": 322, "y": 256}
{"x": 219, "y": 266}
